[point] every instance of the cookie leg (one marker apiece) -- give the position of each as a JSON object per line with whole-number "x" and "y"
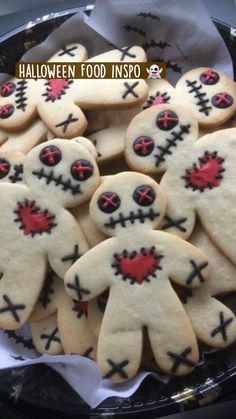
{"x": 19, "y": 291}
{"x": 173, "y": 341}
{"x": 214, "y": 323}
{"x": 46, "y": 337}
{"x": 119, "y": 347}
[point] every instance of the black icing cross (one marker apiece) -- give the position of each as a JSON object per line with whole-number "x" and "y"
{"x": 222, "y": 326}
{"x": 73, "y": 257}
{"x": 88, "y": 352}
{"x": 125, "y": 52}
{"x": 117, "y": 368}
{"x": 67, "y": 51}
{"x": 76, "y": 286}
{"x": 174, "y": 223}
{"x": 181, "y": 359}
{"x": 130, "y": 89}
{"x": 196, "y": 272}
{"x": 50, "y": 338}
{"x": 13, "y": 308}
{"x": 67, "y": 122}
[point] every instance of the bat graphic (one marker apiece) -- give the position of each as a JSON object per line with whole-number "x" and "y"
{"x": 129, "y": 28}
{"x": 151, "y": 15}
{"x": 153, "y": 44}
{"x": 169, "y": 64}
{"x": 27, "y": 343}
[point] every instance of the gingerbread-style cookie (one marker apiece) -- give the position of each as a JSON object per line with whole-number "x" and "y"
{"x": 45, "y": 335}
{"x": 59, "y": 102}
{"x": 156, "y": 135}
{"x": 212, "y": 321}
{"x": 200, "y": 181}
{"x": 136, "y": 265}
{"x": 70, "y": 319}
{"x": 209, "y": 93}
{"x": 91, "y": 232}
{"x": 58, "y": 175}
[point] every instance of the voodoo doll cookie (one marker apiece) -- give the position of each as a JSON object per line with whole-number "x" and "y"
{"x": 209, "y": 93}
{"x": 59, "y": 319}
{"x": 200, "y": 181}
{"x": 59, "y": 102}
{"x": 136, "y": 264}
{"x": 212, "y": 321}
{"x": 57, "y": 176}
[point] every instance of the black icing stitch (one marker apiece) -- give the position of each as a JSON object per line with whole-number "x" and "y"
{"x": 222, "y": 326}
{"x": 76, "y": 287}
{"x": 196, "y": 272}
{"x": 18, "y": 171}
{"x": 132, "y": 217}
{"x": 67, "y": 51}
{"x": 117, "y": 368}
{"x": 181, "y": 359}
{"x": 202, "y": 103}
{"x": 67, "y": 122}
{"x": 170, "y": 222}
{"x": 130, "y": 28}
{"x": 44, "y": 298}
{"x": 27, "y": 343}
{"x": 18, "y": 358}
{"x": 170, "y": 143}
{"x": 73, "y": 257}
{"x": 58, "y": 180}
{"x": 88, "y": 352}
{"x": 154, "y": 44}
{"x": 151, "y": 15}
{"x": 50, "y": 338}
{"x": 130, "y": 89}
{"x": 21, "y": 87}
{"x": 13, "y": 308}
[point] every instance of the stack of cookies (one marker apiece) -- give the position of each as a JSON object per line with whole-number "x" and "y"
{"x": 118, "y": 223}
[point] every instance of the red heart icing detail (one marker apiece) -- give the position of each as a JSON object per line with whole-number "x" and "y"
{"x": 207, "y": 175}
{"x": 32, "y": 220}
{"x": 56, "y": 88}
{"x": 137, "y": 266}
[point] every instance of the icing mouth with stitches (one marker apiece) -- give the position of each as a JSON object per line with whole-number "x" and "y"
{"x": 139, "y": 216}
{"x": 58, "y": 181}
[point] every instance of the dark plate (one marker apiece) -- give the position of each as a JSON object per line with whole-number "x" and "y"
{"x": 42, "y": 390}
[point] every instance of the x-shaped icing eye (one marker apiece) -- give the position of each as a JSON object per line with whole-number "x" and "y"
{"x": 144, "y": 195}
{"x": 108, "y": 202}
{"x": 4, "y": 168}
{"x": 209, "y": 77}
{"x": 7, "y": 89}
{"x": 143, "y": 146}
{"x": 167, "y": 120}
{"x": 81, "y": 170}
{"x": 50, "y": 156}
{"x": 6, "y": 111}
{"x": 222, "y": 100}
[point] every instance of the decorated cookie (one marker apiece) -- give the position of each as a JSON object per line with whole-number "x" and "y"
{"x": 70, "y": 319}
{"x": 200, "y": 181}
{"x": 25, "y": 140}
{"x": 58, "y": 102}
{"x": 156, "y": 135}
{"x": 136, "y": 265}
{"x": 45, "y": 335}
{"x": 204, "y": 131}
{"x": 91, "y": 232}
{"x": 11, "y": 167}
{"x": 58, "y": 175}
{"x": 212, "y": 321}
{"x": 209, "y": 93}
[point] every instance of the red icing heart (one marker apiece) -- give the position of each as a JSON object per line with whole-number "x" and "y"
{"x": 56, "y": 88}
{"x": 137, "y": 266}
{"x": 207, "y": 175}
{"x": 32, "y": 220}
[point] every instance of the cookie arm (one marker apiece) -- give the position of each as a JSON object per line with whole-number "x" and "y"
{"x": 66, "y": 244}
{"x": 187, "y": 265}
{"x": 89, "y": 276}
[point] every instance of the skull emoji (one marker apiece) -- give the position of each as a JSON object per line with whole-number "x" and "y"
{"x": 136, "y": 264}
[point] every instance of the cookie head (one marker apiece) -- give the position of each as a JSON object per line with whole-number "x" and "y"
{"x": 127, "y": 201}
{"x": 209, "y": 93}
{"x": 156, "y": 135}
{"x": 63, "y": 170}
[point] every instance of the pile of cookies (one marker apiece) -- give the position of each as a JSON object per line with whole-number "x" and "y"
{"x": 116, "y": 244}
